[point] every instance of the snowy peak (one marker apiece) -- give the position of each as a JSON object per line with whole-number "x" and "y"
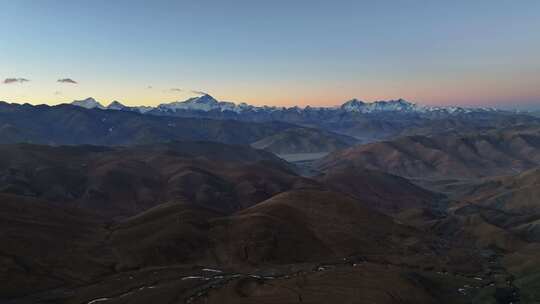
{"x": 393, "y": 105}
{"x": 204, "y": 103}
{"x": 88, "y": 103}
{"x": 204, "y": 99}
{"x": 91, "y": 103}
{"x": 207, "y": 103}
{"x": 116, "y": 105}
{"x": 355, "y": 105}
{"x": 404, "y": 106}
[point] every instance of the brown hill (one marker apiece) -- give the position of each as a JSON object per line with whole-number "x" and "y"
{"x": 164, "y": 253}
{"x": 449, "y": 156}
{"x": 125, "y": 181}
{"x": 89, "y": 224}
{"x": 306, "y": 225}
{"x": 45, "y": 247}
{"x": 516, "y": 194}
{"x": 380, "y": 191}
{"x": 291, "y": 227}
{"x": 170, "y": 233}
{"x": 303, "y": 140}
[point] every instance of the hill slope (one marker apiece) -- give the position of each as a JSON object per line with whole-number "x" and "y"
{"x": 380, "y": 191}
{"x": 306, "y": 225}
{"x": 303, "y": 140}
{"x": 127, "y": 180}
{"x": 516, "y": 194}
{"x": 68, "y": 124}
{"x": 366, "y": 121}
{"x": 475, "y": 155}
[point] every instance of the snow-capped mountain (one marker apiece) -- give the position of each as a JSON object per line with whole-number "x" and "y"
{"x": 204, "y": 103}
{"x": 356, "y": 105}
{"x": 116, "y": 105}
{"x": 365, "y": 121}
{"x": 208, "y": 104}
{"x": 91, "y": 103}
{"x": 88, "y": 103}
{"x": 403, "y": 106}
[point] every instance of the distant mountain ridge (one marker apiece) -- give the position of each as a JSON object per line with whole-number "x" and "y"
{"x": 68, "y": 124}
{"x": 366, "y": 122}
{"x": 91, "y": 103}
{"x": 207, "y": 103}
{"x": 303, "y": 140}
{"x": 204, "y": 118}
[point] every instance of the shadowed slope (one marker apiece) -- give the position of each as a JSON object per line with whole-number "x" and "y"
{"x": 446, "y": 156}
{"x": 44, "y": 247}
{"x": 378, "y": 190}
{"x": 303, "y": 140}
{"x": 306, "y": 225}
{"x": 68, "y": 124}
{"x": 517, "y": 194}
{"x": 124, "y": 181}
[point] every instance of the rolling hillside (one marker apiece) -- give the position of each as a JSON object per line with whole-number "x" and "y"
{"x": 480, "y": 154}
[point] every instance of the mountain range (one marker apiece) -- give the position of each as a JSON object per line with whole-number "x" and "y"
{"x": 67, "y": 124}
{"x": 366, "y": 122}
{"x": 147, "y": 215}
{"x": 446, "y": 156}
{"x": 300, "y": 133}
{"x": 207, "y": 103}
{"x": 203, "y": 202}
{"x": 212, "y": 222}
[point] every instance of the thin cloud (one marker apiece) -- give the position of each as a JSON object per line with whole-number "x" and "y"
{"x": 67, "y": 80}
{"x": 15, "y": 80}
{"x": 198, "y": 92}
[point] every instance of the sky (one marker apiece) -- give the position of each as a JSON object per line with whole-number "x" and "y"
{"x": 284, "y": 53}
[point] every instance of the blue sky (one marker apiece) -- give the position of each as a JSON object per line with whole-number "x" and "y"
{"x": 272, "y": 52}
